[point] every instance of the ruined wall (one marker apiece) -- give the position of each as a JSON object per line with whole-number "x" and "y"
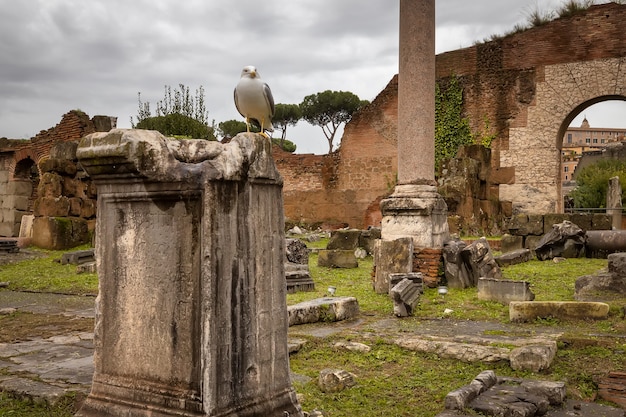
{"x": 527, "y": 87}
{"x": 36, "y": 180}
{"x": 345, "y": 187}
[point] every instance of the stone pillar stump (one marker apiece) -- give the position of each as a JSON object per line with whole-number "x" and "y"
{"x": 191, "y": 318}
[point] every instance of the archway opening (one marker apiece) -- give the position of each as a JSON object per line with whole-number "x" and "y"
{"x": 26, "y": 170}
{"x": 584, "y": 134}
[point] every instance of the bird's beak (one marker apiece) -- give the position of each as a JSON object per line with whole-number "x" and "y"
{"x": 253, "y": 74}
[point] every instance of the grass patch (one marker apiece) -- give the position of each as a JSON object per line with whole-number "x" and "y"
{"x": 46, "y": 274}
{"x": 552, "y": 281}
{"x": 14, "y": 407}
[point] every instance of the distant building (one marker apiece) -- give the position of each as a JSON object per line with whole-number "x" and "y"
{"x": 584, "y": 139}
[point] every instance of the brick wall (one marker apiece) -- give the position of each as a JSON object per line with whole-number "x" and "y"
{"x": 529, "y": 86}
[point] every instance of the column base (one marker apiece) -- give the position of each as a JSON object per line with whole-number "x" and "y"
{"x": 416, "y": 211}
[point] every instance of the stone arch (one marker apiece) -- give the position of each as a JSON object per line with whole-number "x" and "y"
{"x": 562, "y": 91}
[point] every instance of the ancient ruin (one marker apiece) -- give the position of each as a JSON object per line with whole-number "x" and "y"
{"x": 191, "y": 316}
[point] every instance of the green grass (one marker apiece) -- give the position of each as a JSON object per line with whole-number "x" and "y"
{"x": 391, "y": 380}
{"x": 12, "y": 407}
{"x": 46, "y": 274}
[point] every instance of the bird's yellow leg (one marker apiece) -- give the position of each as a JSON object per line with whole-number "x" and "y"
{"x": 263, "y": 131}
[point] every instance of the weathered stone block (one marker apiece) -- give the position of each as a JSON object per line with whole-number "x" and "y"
{"x": 515, "y": 257}
{"x": 550, "y": 219}
{"x": 74, "y": 187}
{"x": 64, "y": 150}
{"x": 617, "y": 264}
{"x": 337, "y": 258}
{"x": 88, "y": 209}
{"x": 509, "y": 243}
{"x": 601, "y": 222}
{"x": 20, "y": 202}
{"x": 328, "y": 309}
{"x": 453, "y": 264}
{"x": 191, "y": 232}
{"x": 533, "y": 358}
{"x": 52, "y": 207}
{"x": 405, "y": 295}
{"x": 531, "y": 242}
{"x": 520, "y": 311}
{"x": 344, "y": 239}
{"x": 504, "y": 291}
{"x": 20, "y": 187}
{"x": 76, "y": 206}
{"x": 78, "y": 257}
{"x": 582, "y": 220}
{"x": 391, "y": 256}
{"x": 335, "y": 380}
{"x": 50, "y": 185}
{"x": 59, "y": 166}
{"x": 59, "y": 233}
{"x": 416, "y": 277}
{"x": 368, "y": 238}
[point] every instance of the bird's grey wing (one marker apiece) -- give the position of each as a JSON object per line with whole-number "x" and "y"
{"x": 269, "y": 98}
{"x": 237, "y": 103}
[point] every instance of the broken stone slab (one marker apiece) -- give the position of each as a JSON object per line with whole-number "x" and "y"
{"x": 86, "y": 268}
{"x": 353, "y": 346}
{"x": 405, "y": 296}
{"x": 605, "y": 285}
{"x": 391, "y": 256}
{"x": 503, "y": 290}
{"x": 344, "y": 239}
{"x": 416, "y": 277}
{"x": 78, "y": 257}
{"x": 337, "y": 258}
{"x": 564, "y": 239}
{"x": 466, "y": 352}
{"x": 335, "y": 380}
{"x": 533, "y": 357}
{"x": 452, "y": 264}
{"x": 328, "y": 309}
{"x": 478, "y": 262}
{"x": 459, "y": 399}
{"x": 522, "y": 311}
{"x": 515, "y": 257}
{"x": 298, "y": 278}
{"x": 573, "y": 408}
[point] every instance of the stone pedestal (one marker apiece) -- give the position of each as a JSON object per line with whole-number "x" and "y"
{"x": 415, "y": 211}
{"x": 191, "y": 318}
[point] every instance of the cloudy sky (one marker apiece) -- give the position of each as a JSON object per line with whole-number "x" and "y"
{"x": 59, "y": 55}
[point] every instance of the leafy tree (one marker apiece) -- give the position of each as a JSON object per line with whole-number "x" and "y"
{"x": 285, "y": 145}
{"x": 329, "y": 109}
{"x": 231, "y": 128}
{"x": 452, "y": 130}
{"x": 179, "y": 125}
{"x": 592, "y": 183}
{"x": 286, "y": 115}
{"x": 179, "y": 113}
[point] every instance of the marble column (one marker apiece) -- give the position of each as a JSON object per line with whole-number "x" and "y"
{"x": 415, "y": 209}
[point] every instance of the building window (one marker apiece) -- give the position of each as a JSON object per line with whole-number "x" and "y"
{"x": 565, "y": 169}
{"x": 569, "y": 138}
{"x": 587, "y": 140}
{"x": 602, "y": 140}
{"x": 595, "y": 140}
{"x": 566, "y": 178}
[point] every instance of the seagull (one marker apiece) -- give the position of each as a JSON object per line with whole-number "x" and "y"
{"x": 254, "y": 100}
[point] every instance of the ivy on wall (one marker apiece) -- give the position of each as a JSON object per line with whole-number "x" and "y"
{"x": 452, "y": 130}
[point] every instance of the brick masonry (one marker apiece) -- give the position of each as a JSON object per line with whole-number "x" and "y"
{"x": 528, "y": 85}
